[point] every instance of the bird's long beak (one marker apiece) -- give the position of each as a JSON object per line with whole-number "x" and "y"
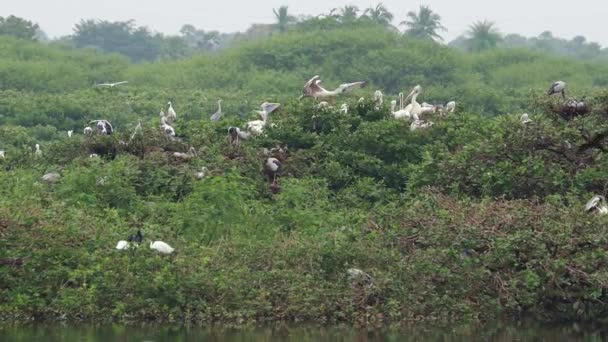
{"x": 410, "y": 95}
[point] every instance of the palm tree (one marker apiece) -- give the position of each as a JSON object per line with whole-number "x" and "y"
{"x": 483, "y": 35}
{"x": 424, "y": 24}
{"x": 283, "y": 18}
{"x": 348, "y": 14}
{"x": 379, "y": 15}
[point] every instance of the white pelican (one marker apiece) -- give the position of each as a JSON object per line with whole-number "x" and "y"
{"x": 202, "y": 173}
{"x": 344, "y": 108}
{"x": 378, "y": 98}
{"x": 51, "y": 177}
{"x": 103, "y": 127}
{"x": 256, "y": 127}
{"x": 171, "y": 115}
{"x": 88, "y": 130}
{"x": 70, "y": 133}
{"x": 272, "y": 167}
{"x": 525, "y": 119}
{"x": 420, "y": 124}
{"x": 161, "y": 247}
{"x": 2, "y": 154}
{"x": 185, "y": 156}
{"x": 450, "y": 107}
{"x": 597, "y": 203}
{"x": 217, "y": 115}
{"x": 414, "y": 107}
{"x": 401, "y": 113}
{"x": 313, "y": 89}
{"x": 236, "y": 135}
{"x": 38, "y": 152}
{"x": 122, "y": 245}
{"x": 111, "y": 85}
{"x": 557, "y": 87}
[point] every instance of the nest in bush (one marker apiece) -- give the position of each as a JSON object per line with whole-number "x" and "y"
{"x": 571, "y": 108}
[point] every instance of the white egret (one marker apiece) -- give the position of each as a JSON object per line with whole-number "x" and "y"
{"x": 103, "y": 127}
{"x": 70, "y": 132}
{"x": 185, "y": 156}
{"x": 161, "y": 247}
{"x": 598, "y": 204}
{"x": 111, "y": 85}
{"x": 38, "y": 152}
{"x": 344, "y": 108}
{"x": 557, "y": 87}
{"x": 51, "y": 177}
{"x": 313, "y": 89}
{"x": 122, "y": 245}
{"x": 217, "y": 115}
{"x": 272, "y": 167}
{"x": 171, "y": 115}
{"x": 525, "y": 119}
{"x": 88, "y": 130}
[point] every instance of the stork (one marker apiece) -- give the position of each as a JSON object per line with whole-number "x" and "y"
{"x": 313, "y": 89}
{"x": 122, "y": 245}
{"x": 525, "y": 119}
{"x": 236, "y": 135}
{"x": 103, "y": 127}
{"x": 556, "y": 88}
{"x": 272, "y": 167}
{"x": 87, "y": 131}
{"x": 167, "y": 129}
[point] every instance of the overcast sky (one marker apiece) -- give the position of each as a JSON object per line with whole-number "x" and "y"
{"x": 528, "y": 17}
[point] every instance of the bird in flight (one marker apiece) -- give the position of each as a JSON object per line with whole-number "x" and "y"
{"x": 111, "y": 85}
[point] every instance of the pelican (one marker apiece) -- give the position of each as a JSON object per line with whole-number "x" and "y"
{"x": 256, "y": 127}
{"x": 344, "y": 109}
{"x": 161, "y": 247}
{"x": 185, "y": 156}
{"x": 38, "y": 152}
{"x": 401, "y": 113}
{"x": 103, "y": 127}
{"x": 88, "y": 130}
{"x": 420, "y": 124}
{"x": 414, "y": 107}
{"x": 597, "y": 203}
{"x": 217, "y": 115}
{"x": 236, "y": 135}
{"x": 378, "y": 98}
{"x": 171, "y": 115}
{"x": 525, "y": 119}
{"x": 313, "y": 89}
{"x": 450, "y": 107}
{"x": 70, "y": 133}
{"x": 558, "y": 87}
{"x": 202, "y": 173}
{"x": 122, "y": 245}
{"x": 111, "y": 85}
{"x": 2, "y": 154}
{"x": 272, "y": 166}
{"x": 51, "y": 177}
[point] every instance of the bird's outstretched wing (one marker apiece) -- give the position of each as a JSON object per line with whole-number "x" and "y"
{"x": 312, "y": 86}
{"x": 103, "y": 85}
{"x": 121, "y": 82}
{"x": 270, "y": 107}
{"x": 348, "y": 87}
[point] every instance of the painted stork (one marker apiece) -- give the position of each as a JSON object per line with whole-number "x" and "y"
{"x": 272, "y": 167}
{"x": 557, "y": 88}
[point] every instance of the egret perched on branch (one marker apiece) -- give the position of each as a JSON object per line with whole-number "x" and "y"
{"x": 111, "y": 85}
{"x": 88, "y": 130}
{"x": 525, "y": 119}
{"x": 70, "y": 133}
{"x": 38, "y": 152}
{"x": 557, "y": 87}
{"x": 598, "y": 204}
{"x": 313, "y": 89}
{"x": 51, "y": 177}
{"x": 171, "y": 115}
{"x": 161, "y": 247}
{"x": 217, "y": 115}
{"x": 103, "y": 127}
{"x": 272, "y": 167}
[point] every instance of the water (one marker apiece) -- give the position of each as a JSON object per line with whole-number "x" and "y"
{"x": 150, "y": 333}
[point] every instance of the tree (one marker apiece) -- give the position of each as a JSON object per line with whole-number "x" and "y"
{"x": 283, "y": 19}
{"x": 18, "y": 27}
{"x": 379, "y": 15}
{"x": 483, "y": 35}
{"x": 348, "y": 14}
{"x": 423, "y": 25}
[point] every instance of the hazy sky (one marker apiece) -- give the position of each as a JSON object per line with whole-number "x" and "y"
{"x": 528, "y": 17}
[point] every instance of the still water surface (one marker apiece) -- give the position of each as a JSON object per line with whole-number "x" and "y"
{"x": 150, "y": 333}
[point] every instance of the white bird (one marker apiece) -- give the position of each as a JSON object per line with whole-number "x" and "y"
{"x": 70, "y": 133}
{"x": 51, "y": 177}
{"x": 217, "y": 115}
{"x": 171, "y": 115}
{"x": 525, "y": 119}
{"x": 557, "y": 87}
{"x": 167, "y": 129}
{"x": 161, "y": 247}
{"x": 202, "y": 173}
{"x": 93, "y": 155}
{"x": 88, "y": 130}
{"x": 414, "y": 107}
{"x": 185, "y": 156}
{"x": 450, "y": 107}
{"x": 2, "y": 154}
{"x": 111, "y": 85}
{"x": 378, "y": 98}
{"x": 272, "y": 167}
{"x": 597, "y": 203}
{"x": 122, "y": 245}
{"x": 401, "y": 113}
{"x": 420, "y": 124}
{"x": 162, "y": 113}
{"x": 236, "y": 135}
{"x": 38, "y": 152}
{"x": 256, "y": 127}
{"x": 103, "y": 127}
{"x": 313, "y": 89}
{"x": 344, "y": 108}
{"x": 323, "y": 104}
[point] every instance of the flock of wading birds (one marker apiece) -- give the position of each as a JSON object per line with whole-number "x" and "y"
{"x": 413, "y": 112}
